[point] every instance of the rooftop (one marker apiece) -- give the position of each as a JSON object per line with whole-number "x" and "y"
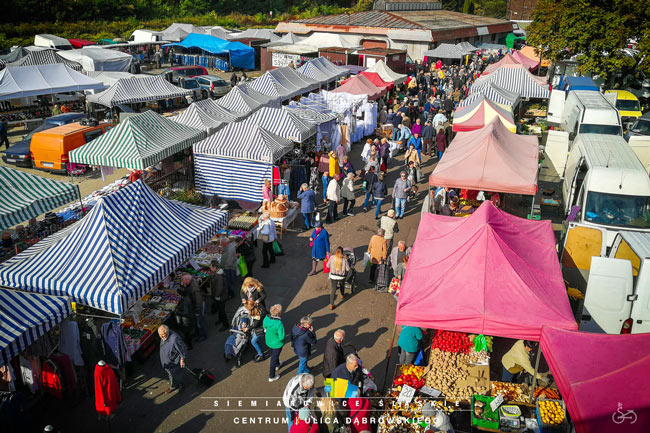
{"x": 420, "y": 20}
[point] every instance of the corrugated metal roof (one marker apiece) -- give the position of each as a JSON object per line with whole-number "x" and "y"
{"x": 439, "y": 20}
{"x": 364, "y": 19}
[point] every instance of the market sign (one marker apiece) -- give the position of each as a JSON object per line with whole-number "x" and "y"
{"x": 406, "y": 394}
{"x": 430, "y": 391}
{"x": 494, "y": 404}
{"x": 279, "y": 60}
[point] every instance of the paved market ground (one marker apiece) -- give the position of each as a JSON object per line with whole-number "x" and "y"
{"x": 367, "y": 317}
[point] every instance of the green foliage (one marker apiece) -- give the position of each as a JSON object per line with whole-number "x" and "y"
{"x": 364, "y": 5}
{"x": 593, "y": 30}
{"x": 491, "y": 8}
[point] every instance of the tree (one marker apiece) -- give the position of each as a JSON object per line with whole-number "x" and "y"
{"x": 594, "y": 31}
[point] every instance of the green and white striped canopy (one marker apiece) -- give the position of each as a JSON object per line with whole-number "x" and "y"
{"x": 24, "y": 196}
{"x": 138, "y": 142}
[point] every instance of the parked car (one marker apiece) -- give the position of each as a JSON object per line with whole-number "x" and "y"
{"x": 640, "y": 127}
{"x": 19, "y": 154}
{"x": 193, "y": 85}
{"x": 183, "y": 71}
{"x": 213, "y": 86}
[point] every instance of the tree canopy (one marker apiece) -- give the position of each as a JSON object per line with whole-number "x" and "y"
{"x": 595, "y": 31}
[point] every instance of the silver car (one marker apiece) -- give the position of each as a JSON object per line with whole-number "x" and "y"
{"x": 213, "y": 86}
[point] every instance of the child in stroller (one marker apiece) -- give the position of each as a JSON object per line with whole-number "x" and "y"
{"x": 351, "y": 276}
{"x": 245, "y": 328}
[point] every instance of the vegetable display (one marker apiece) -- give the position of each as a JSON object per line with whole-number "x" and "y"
{"x": 449, "y": 374}
{"x": 511, "y": 391}
{"x": 551, "y": 412}
{"x": 479, "y": 357}
{"x": 549, "y": 393}
{"x": 450, "y": 341}
{"x": 410, "y": 375}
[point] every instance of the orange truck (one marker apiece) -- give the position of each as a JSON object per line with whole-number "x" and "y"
{"x": 50, "y": 148}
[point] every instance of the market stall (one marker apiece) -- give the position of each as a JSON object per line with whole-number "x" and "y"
{"x": 141, "y": 89}
{"x": 235, "y": 162}
{"x": 360, "y": 85}
{"x": 244, "y": 99}
{"x": 531, "y": 53}
{"x": 276, "y": 85}
{"x": 602, "y": 378}
{"x": 138, "y": 142}
{"x": 444, "y": 51}
{"x": 24, "y": 81}
{"x": 237, "y": 54}
{"x": 489, "y": 159}
{"x": 99, "y": 59}
{"x": 517, "y": 79}
{"x": 284, "y": 123}
{"x": 24, "y": 196}
{"x": 112, "y": 246}
{"x": 46, "y": 57}
{"x": 25, "y": 318}
{"x": 504, "y": 98}
{"x": 386, "y": 73}
{"x": 479, "y": 114}
{"x": 507, "y": 60}
{"x": 198, "y": 118}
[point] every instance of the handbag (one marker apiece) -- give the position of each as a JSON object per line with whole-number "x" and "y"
{"x": 326, "y": 269}
{"x": 264, "y": 238}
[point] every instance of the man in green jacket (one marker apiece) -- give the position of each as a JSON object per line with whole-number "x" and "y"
{"x": 274, "y": 338}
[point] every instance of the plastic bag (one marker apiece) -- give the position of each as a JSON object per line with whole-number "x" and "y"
{"x": 277, "y": 248}
{"x": 326, "y": 268}
{"x": 243, "y": 269}
{"x": 366, "y": 259}
{"x": 419, "y": 360}
{"x": 480, "y": 343}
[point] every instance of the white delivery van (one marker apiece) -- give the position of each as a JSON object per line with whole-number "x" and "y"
{"x": 584, "y": 112}
{"x": 607, "y": 184}
{"x": 615, "y": 284}
{"x": 143, "y": 35}
{"x": 52, "y": 41}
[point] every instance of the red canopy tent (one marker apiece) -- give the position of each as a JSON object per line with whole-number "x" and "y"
{"x": 490, "y": 273}
{"x": 601, "y": 377}
{"x": 479, "y": 113}
{"x": 80, "y": 43}
{"x": 360, "y": 85}
{"x": 376, "y": 79}
{"x": 490, "y": 159}
{"x": 506, "y": 60}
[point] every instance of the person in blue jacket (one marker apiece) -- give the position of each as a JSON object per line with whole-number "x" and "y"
{"x": 320, "y": 246}
{"x": 416, "y": 141}
{"x": 302, "y": 338}
{"x": 379, "y": 191}
{"x": 307, "y": 199}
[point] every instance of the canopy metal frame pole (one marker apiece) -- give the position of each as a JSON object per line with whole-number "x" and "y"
{"x": 388, "y": 356}
{"x": 532, "y": 388}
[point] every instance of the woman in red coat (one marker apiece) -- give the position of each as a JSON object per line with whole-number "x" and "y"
{"x": 360, "y": 413}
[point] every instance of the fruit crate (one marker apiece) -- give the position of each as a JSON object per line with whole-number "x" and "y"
{"x": 479, "y": 422}
{"x": 551, "y": 428}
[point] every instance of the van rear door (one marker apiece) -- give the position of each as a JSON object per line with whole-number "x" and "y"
{"x": 641, "y": 304}
{"x": 556, "y": 152}
{"x": 556, "y": 106}
{"x": 640, "y": 144}
{"x": 609, "y": 297}
{"x": 571, "y": 172}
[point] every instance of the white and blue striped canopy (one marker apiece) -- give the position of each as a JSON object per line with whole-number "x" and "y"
{"x": 25, "y": 317}
{"x": 244, "y": 99}
{"x": 275, "y": 85}
{"x": 283, "y": 123}
{"x": 319, "y": 70}
{"x": 302, "y": 81}
{"x": 245, "y": 140}
{"x": 326, "y": 65}
{"x": 217, "y": 112}
{"x": 129, "y": 242}
{"x": 138, "y": 89}
{"x": 310, "y": 115}
{"x": 196, "y": 117}
{"x": 231, "y": 179}
{"x": 516, "y": 80}
{"x": 494, "y": 93}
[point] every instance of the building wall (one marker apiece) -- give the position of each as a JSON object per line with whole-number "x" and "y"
{"x": 265, "y": 59}
{"x": 520, "y": 10}
{"x": 373, "y": 43}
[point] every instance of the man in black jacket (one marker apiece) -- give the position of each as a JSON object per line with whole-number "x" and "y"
{"x": 449, "y": 107}
{"x": 334, "y": 355}
{"x": 370, "y": 178}
{"x": 219, "y": 295}
{"x": 350, "y": 371}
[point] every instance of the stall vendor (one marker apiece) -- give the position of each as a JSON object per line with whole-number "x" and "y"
{"x": 517, "y": 359}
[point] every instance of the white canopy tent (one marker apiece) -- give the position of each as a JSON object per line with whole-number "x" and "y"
{"x": 23, "y": 81}
{"x": 99, "y": 59}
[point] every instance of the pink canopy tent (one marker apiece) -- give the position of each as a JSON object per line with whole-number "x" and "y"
{"x": 596, "y": 373}
{"x": 506, "y": 60}
{"x": 490, "y": 273}
{"x": 479, "y": 113}
{"x": 527, "y": 61}
{"x": 360, "y": 85}
{"x": 376, "y": 79}
{"x": 489, "y": 159}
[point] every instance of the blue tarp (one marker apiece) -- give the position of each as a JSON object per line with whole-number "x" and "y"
{"x": 579, "y": 83}
{"x": 241, "y": 56}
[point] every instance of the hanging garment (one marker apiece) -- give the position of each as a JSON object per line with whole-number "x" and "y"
{"x": 44, "y": 346}
{"x": 29, "y": 376}
{"x": 107, "y": 391}
{"x": 91, "y": 344}
{"x": 113, "y": 345}
{"x": 69, "y": 341}
{"x": 51, "y": 379}
{"x": 66, "y": 371}
{"x": 276, "y": 175}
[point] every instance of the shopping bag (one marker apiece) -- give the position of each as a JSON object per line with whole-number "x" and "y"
{"x": 366, "y": 260}
{"x": 326, "y": 269}
{"x": 277, "y": 248}
{"x": 419, "y": 360}
{"x": 383, "y": 165}
{"x": 243, "y": 269}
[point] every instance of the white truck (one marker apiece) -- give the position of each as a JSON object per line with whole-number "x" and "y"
{"x": 606, "y": 186}
{"x": 615, "y": 284}
{"x": 584, "y": 112}
{"x": 52, "y": 41}
{"x": 144, "y": 35}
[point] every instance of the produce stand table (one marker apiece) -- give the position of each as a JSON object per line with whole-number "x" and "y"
{"x": 282, "y": 224}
